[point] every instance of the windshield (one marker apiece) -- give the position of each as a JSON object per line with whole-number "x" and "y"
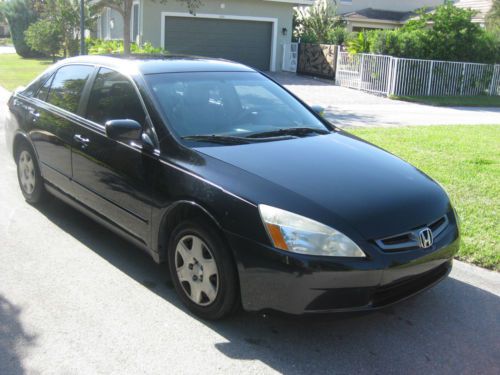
{"x": 229, "y": 104}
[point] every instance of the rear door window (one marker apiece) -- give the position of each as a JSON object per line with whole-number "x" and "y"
{"x": 44, "y": 90}
{"x": 67, "y": 86}
{"x": 113, "y": 97}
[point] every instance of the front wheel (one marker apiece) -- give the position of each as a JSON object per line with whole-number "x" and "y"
{"x": 202, "y": 270}
{"x": 28, "y": 175}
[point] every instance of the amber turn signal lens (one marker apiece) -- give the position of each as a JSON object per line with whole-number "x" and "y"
{"x": 277, "y": 236}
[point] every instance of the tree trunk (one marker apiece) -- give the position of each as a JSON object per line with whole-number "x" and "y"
{"x": 127, "y": 13}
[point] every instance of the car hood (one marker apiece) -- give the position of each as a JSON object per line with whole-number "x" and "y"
{"x": 376, "y": 193}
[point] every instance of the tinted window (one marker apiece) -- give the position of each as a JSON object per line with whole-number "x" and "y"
{"x": 113, "y": 97}
{"x": 67, "y": 86}
{"x": 227, "y": 103}
{"x": 44, "y": 90}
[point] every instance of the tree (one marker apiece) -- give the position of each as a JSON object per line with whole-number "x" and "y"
{"x": 453, "y": 34}
{"x": 44, "y": 36}
{"x": 124, "y": 8}
{"x": 447, "y": 33}
{"x": 65, "y": 14}
{"x": 20, "y": 14}
{"x": 59, "y": 27}
{"x": 319, "y": 23}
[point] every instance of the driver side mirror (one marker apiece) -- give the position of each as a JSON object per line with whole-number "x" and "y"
{"x": 124, "y": 130}
{"x": 318, "y": 109}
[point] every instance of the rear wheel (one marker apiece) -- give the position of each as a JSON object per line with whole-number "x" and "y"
{"x": 202, "y": 270}
{"x": 28, "y": 175}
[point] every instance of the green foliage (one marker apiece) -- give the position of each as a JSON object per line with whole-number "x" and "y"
{"x": 319, "y": 24}
{"x": 47, "y": 27}
{"x": 43, "y": 36}
{"x": 65, "y": 16}
{"x": 448, "y": 33}
{"x": 358, "y": 43}
{"x": 20, "y": 14}
{"x": 106, "y": 47}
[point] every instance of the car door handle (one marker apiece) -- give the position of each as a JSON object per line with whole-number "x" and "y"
{"x": 81, "y": 140}
{"x": 34, "y": 114}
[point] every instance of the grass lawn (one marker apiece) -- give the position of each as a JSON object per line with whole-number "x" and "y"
{"x": 466, "y": 161}
{"x": 453, "y": 101}
{"x": 16, "y": 71}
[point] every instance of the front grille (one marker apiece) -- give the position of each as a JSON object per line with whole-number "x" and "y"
{"x": 400, "y": 289}
{"x": 409, "y": 240}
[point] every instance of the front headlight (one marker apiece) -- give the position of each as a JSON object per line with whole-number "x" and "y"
{"x": 292, "y": 232}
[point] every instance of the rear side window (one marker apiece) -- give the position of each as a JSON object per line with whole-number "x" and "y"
{"x": 113, "y": 97}
{"x": 44, "y": 90}
{"x": 67, "y": 86}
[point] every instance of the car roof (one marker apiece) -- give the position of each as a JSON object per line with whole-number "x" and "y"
{"x": 153, "y": 64}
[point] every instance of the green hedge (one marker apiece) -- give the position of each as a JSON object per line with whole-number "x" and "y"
{"x": 102, "y": 47}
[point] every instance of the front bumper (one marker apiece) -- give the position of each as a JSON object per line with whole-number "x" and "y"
{"x": 272, "y": 279}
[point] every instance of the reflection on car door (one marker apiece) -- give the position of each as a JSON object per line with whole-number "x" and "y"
{"x": 110, "y": 177}
{"x": 51, "y": 115}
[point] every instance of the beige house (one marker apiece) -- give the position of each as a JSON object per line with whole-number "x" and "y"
{"x": 481, "y": 6}
{"x": 390, "y": 14}
{"x": 249, "y": 31}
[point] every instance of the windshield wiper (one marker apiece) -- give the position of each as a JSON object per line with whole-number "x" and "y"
{"x": 289, "y": 131}
{"x": 222, "y": 139}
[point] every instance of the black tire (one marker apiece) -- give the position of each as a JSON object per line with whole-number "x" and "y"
{"x": 33, "y": 193}
{"x": 226, "y": 301}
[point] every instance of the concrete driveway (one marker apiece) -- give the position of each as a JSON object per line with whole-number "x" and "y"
{"x": 76, "y": 299}
{"x": 351, "y": 108}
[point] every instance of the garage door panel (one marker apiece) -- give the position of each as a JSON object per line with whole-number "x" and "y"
{"x": 248, "y": 42}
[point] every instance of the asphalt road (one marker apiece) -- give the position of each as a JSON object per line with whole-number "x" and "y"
{"x": 76, "y": 299}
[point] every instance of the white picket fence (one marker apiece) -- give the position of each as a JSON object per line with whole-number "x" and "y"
{"x": 389, "y": 75}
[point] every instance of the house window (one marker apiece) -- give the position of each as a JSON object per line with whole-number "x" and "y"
{"x": 104, "y": 25}
{"x": 358, "y": 29}
{"x": 135, "y": 22}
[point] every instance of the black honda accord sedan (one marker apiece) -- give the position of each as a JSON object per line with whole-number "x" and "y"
{"x": 251, "y": 196}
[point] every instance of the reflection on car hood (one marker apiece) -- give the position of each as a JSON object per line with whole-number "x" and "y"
{"x": 377, "y": 193}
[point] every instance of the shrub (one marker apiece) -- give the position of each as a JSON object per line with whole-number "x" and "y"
{"x": 105, "y": 47}
{"x": 319, "y": 23}
{"x": 20, "y": 14}
{"x": 446, "y": 34}
{"x": 44, "y": 36}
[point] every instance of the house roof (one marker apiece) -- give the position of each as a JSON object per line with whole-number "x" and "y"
{"x": 378, "y": 14}
{"x": 481, "y": 6}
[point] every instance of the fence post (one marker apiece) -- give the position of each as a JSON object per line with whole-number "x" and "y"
{"x": 337, "y": 65}
{"x": 394, "y": 75}
{"x": 463, "y": 80}
{"x": 361, "y": 70}
{"x": 389, "y": 77}
{"x": 430, "y": 79}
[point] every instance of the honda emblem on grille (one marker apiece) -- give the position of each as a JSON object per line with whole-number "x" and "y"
{"x": 425, "y": 238}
